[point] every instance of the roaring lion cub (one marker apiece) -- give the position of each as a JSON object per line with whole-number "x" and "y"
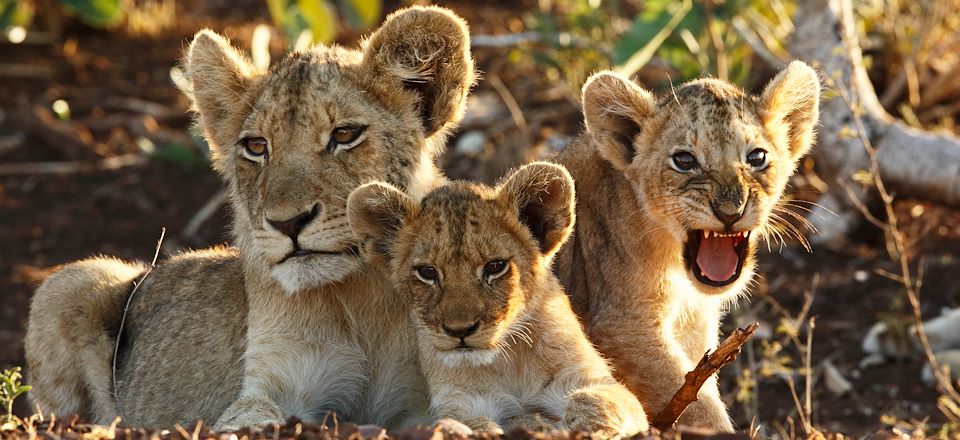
{"x": 292, "y": 322}
{"x": 675, "y": 193}
{"x": 499, "y": 343}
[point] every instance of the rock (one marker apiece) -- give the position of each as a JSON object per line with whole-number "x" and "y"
{"x": 471, "y": 143}
{"x": 948, "y": 358}
{"x": 484, "y": 109}
{"x": 834, "y": 380}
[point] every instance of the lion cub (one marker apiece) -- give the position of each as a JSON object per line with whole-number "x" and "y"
{"x": 499, "y": 343}
{"x": 680, "y": 188}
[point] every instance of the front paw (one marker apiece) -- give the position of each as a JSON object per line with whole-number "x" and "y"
{"x": 596, "y": 412}
{"x": 249, "y": 412}
{"x": 707, "y": 412}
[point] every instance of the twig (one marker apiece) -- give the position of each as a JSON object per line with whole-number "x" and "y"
{"x": 123, "y": 319}
{"x": 508, "y": 100}
{"x": 72, "y": 167}
{"x": 892, "y": 229}
{"x": 725, "y": 353}
{"x": 207, "y": 210}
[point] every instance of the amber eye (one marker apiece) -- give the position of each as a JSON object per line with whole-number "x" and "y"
{"x": 428, "y": 274}
{"x": 344, "y": 137}
{"x": 494, "y": 269}
{"x": 757, "y": 158}
{"x": 254, "y": 147}
{"x": 683, "y": 161}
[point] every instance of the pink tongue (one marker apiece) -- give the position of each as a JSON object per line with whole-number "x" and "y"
{"x": 717, "y": 258}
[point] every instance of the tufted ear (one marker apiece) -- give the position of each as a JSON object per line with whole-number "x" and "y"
{"x": 376, "y": 211}
{"x": 790, "y": 107}
{"x": 543, "y": 195}
{"x": 218, "y": 76}
{"x": 614, "y": 109}
{"x": 425, "y": 50}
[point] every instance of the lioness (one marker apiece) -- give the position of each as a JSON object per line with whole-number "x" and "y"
{"x": 499, "y": 343}
{"x": 292, "y": 322}
{"x": 674, "y": 194}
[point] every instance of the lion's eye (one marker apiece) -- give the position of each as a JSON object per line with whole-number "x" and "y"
{"x": 757, "y": 158}
{"x": 683, "y": 161}
{"x": 427, "y": 274}
{"x": 494, "y": 269}
{"x": 254, "y": 147}
{"x": 344, "y": 137}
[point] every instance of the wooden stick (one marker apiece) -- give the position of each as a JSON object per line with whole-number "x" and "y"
{"x": 725, "y": 353}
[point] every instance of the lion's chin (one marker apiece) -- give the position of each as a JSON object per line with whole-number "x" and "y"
{"x": 315, "y": 270}
{"x": 467, "y": 357}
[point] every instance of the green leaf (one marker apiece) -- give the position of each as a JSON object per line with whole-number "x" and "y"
{"x": 278, "y": 11}
{"x": 96, "y": 13}
{"x": 179, "y": 154}
{"x": 669, "y": 18}
{"x": 321, "y": 18}
{"x": 363, "y": 13}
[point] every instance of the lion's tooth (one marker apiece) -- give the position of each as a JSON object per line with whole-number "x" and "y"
{"x": 706, "y": 233}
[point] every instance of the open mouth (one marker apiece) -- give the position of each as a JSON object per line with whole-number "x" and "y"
{"x": 297, "y": 253}
{"x": 716, "y": 258}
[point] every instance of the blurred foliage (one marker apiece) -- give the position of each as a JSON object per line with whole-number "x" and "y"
{"x": 312, "y": 21}
{"x": 96, "y": 13}
{"x": 316, "y": 20}
{"x": 11, "y": 388}
{"x": 689, "y": 39}
{"x": 911, "y": 50}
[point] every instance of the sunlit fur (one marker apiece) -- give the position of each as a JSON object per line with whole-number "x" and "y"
{"x": 528, "y": 361}
{"x": 624, "y": 266}
{"x": 315, "y": 338}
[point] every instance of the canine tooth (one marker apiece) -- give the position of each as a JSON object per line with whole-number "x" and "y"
{"x": 706, "y": 233}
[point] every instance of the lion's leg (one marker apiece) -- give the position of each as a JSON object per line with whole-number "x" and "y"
{"x": 652, "y": 364}
{"x": 74, "y": 318}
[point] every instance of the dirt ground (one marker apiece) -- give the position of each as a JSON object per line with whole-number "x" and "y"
{"x": 119, "y": 89}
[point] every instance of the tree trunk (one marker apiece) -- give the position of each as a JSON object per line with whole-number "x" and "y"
{"x": 912, "y": 162}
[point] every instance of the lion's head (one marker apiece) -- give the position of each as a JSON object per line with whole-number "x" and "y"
{"x": 707, "y": 162}
{"x": 293, "y": 141}
{"x": 472, "y": 258}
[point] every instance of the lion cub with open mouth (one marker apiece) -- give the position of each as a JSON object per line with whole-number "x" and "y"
{"x": 499, "y": 343}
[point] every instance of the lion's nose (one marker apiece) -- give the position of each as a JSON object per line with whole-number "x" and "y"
{"x": 461, "y": 332}
{"x": 728, "y": 213}
{"x": 291, "y": 227}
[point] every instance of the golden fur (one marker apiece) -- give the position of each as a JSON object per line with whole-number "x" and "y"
{"x": 499, "y": 343}
{"x": 638, "y": 266}
{"x": 292, "y": 322}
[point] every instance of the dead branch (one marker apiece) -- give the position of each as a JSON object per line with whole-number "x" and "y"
{"x": 108, "y": 164}
{"x": 725, "y": 353}
{"x": 72, "y": 141}
{"x": 912, "y": 162}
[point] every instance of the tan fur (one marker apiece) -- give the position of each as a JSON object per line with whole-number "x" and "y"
{"x": 624, "y": 267}
{"x": 525, "y": 355}
{"x": 315, "y": 338}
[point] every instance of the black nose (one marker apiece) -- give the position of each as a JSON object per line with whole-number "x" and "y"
{"x": 462, "y": 332}
{"x": 292, "y": 226}
{"x": 728, "y": 214}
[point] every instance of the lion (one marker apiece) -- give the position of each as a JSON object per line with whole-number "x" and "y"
{"x": 675, "y": 193}
{"x": 291, "y": 322}
{"x": 498, "y": 341}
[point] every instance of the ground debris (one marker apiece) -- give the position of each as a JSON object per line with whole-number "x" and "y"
{"x": 71, "y": 429}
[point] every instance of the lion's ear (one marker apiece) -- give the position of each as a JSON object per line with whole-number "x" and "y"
{"x": 219, "y": 76}
{"x": 376, "y": 211}
{"x": 614, "y": 109}
{"x": 790, "y": 105}
{"x": 425, "y": 50}
{"x": 543, "y": 196}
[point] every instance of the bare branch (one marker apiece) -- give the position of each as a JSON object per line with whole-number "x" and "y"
{"x": 725, "y": 353}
